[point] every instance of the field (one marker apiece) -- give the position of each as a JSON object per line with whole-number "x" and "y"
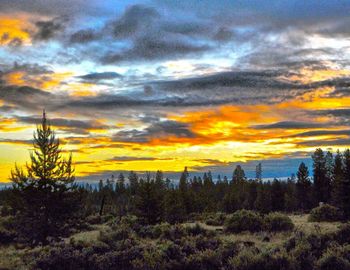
{"x": 16, "y": 256}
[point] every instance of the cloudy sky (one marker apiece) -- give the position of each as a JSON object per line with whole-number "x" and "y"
{"x": 162, "y": 84}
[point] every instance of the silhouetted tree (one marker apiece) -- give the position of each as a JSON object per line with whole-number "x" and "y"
{"x": 322, "y": 185}
{"x": 44, "y": 195}
{"x": 303, "y": 188}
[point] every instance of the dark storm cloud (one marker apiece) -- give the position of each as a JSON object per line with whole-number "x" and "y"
{"x": 78, "y": 126}
{"x": 330, "y": 142}
{"x": 339, "y": 116}
{"x": 291, "y": 125}
{"x": 335, "y": 112}
{"x": 100, "y": 76}
{"x": 155, "y": 130}
{"x": 135, "y": 19}
{"x": 322, "y": 133}
{"x": 152, "y": 48}
{"x": 49, "y": 29}
{"x": 84, "y": 36}
{"x": 25, "y": 97}
{"x": 28, "y": 68}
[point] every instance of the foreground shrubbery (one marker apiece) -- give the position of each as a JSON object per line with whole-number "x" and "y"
{"x": 325, "y": 212}
{"x": 245, "y": 220}
{"x": 191, "y": 249}
{"x": 276, "y": 222}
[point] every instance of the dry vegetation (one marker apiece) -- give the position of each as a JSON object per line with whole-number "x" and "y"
{"x": 15, "y": 256}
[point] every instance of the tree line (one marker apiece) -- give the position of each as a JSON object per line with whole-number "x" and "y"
{"x": 155, "y": 198}
{"x": 45, "y": 201}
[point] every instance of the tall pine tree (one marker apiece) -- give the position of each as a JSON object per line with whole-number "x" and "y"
{"x": 44, "y": 195}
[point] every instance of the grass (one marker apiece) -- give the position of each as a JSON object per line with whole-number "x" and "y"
{"x": 302, "y": 224}
{"x": 11, "y": 256}
{"x": 88, "y": 237}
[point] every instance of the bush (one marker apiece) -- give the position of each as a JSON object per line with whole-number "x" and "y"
{"x": 197, "y": 229}
{"x": 276, "y": 222}
{"x": 6, "y": 236}
{"x": 216, "y": 219}
{"x": 94, "y": 219}
{"x": 252, "y": 260}
{"x": 174, "y": 232}
{"x": 325, "y": 212}
{"x": 335, "y": 258}
{"x": 244, "y": 220}
{"x": 204, "y": 260}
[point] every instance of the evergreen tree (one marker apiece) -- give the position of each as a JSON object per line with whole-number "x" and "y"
{"x": 277, "y": 196}
{"x": 303, "y": 188}
{"x": 238, "y": 174}
{"x": 322, "y": 185}
{"x": 133, "y": 182}
{"x": 173, "y": 208}
{"x": 263, "y": 201}
{"x": 258, "y": 172}
{"x": 44, "y": 195}
{"x": 346, "y": 184}
{"x": 148, "y": 202}
{"x": 338, "y": 190}
{"x": 120, "y": 186}
{"x": 290, "y": 200}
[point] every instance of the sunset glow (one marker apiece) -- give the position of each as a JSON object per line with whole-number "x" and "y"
{"x": 128, "y": 87}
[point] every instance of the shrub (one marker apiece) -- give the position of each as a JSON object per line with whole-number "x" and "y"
{"x": 6, "y": 236}
{"x": 250, "y": 259}
{"x": 204, "y": 260}
{"x": 342, "y": 236}
{"x": 216, "y": 219}
{"x": 197, "y": 229}
{"x": 94, "y": 219}
{"x": 173, "y": 232}
{"x": 246, "y": 260}
{"x": 325, "y": 212}
{"x": 244, "y": 220}
{"x": 111, "y": 236}
{"x": 334, "y": 258}
{"x": 276, "y": 222}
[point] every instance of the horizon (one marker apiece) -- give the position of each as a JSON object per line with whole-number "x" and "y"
{"x": 157, "y": 85}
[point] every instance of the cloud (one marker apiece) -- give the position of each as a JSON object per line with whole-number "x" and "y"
{"x": 100, "y": 76}
{"x": 136, "y": 18}
{"x": 25, "y": 97}
{"x": 315, "y": 133}
{"x": 84, "y": 36}
{"x": 70, "y": 125}
{"x": 152, "y": 48}
{"x": 157, "y": 130}
{"x": 291, "y": 125}
{"x": 133, "y": 158}
{"x": 49, "y": 29}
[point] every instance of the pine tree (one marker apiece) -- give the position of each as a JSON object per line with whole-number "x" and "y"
{"x": 44, "y": 195}
{"x": 258, "y": 172}
{"x": 148, "y": 202}
{"x": 338, "y": 187}
{"x": 322, "y": 185}
{"x": 120, "y": 186}
{"x": 263, "y": 201}
{"x": 346, "y": 184}
{"x": 173, "y": 208}
{"x": 277, "y": 196}
{"x": 238, "y": 174}
{"x": 303, "y": 188}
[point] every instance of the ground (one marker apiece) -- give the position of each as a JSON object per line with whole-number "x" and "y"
{"x": 11, "y": 255}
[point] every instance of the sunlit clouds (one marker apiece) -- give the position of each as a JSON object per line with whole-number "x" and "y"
{"x": 128, "y": 87}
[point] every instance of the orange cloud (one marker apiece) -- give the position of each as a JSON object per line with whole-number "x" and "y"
{"x": 14, "y": 29}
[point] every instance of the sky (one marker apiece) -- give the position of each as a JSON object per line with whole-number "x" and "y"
{"x": 160, "y": 84}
